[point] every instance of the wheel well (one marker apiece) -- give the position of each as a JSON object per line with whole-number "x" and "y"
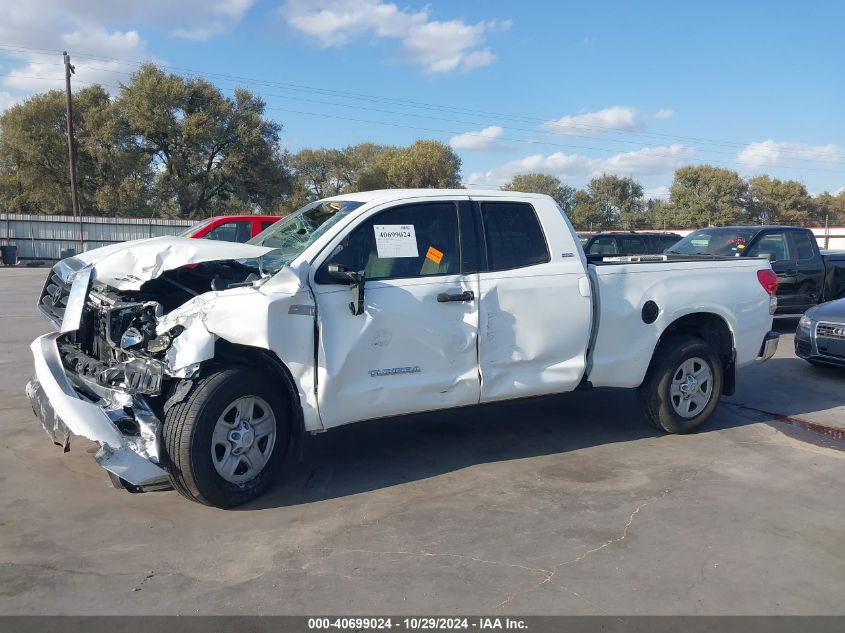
{"x": 713, "y": 329}
{"x": 235, "y": 354}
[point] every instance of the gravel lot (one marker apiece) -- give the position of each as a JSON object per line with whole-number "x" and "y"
{"x": 560, "y": 505}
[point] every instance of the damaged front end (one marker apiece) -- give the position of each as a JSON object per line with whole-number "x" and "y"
{"x": 110, "y": 373}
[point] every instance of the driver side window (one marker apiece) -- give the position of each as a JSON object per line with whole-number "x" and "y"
{"x": 771, "y": 245}
{"x": 415, "y": 240}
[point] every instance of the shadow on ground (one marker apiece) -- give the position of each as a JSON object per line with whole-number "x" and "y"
{"x": 377, "y": 454}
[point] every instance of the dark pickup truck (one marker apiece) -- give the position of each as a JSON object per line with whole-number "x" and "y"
{"x": 611, "y": 243}
{"x": 806, "y": 275}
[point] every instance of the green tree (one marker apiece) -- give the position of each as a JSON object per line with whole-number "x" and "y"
{"x": 708, "y": 196}
{"x": 356, "y": 170}
{"x": 586, "y": 214}
{"x": 661, "y": 214}
{"x": 114, "y": 177}
{"x": 212, "y": 152}
{"x": 34, "y": 158}
{"x": 319, "y": 173}
{"x": 544, "y": 183}
{"x": 610, "y": 202}
{"x": 424, "y": 165}
{"x": 830, "y": 209}
{"x": 773, "y": 201}
{"x": 315, "y": 173}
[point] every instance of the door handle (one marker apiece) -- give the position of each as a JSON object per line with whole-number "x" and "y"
{"x": 444, "y": 297}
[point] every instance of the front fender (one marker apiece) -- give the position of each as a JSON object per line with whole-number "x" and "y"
{"x": 277, "y": 321}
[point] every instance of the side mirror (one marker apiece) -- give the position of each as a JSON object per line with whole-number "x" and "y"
{"x": 341, "y": 274}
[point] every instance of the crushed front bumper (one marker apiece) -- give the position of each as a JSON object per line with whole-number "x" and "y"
{"x": 68, "y": 404}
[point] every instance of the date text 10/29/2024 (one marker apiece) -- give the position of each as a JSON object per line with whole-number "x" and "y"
{"x": 417, "y": 624}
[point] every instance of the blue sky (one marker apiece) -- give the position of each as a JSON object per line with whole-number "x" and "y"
{"x": 571, "y": 89}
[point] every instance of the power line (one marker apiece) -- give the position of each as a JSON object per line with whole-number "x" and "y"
{"x": 419, "y": 105}
{"x": 701, "y": 161}
{"x": 530, "y": 141}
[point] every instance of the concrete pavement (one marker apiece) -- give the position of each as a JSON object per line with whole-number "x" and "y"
{"x": 560, "y": 505}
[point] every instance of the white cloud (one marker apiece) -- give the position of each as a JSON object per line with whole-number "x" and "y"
{"x": 647, "y": 161}
{"x": 97, "y": 28}
{"x": 772, "y": 153}
{"x": 437, "y": 46}
{"x": 42, "y": 71}
{"x": 219, "y": 17}
{"x": 656, "y": 193}
{"x": 597, "y": 123}
{"x": 7, "y": 100}
{"x": 477, "y": 141}
{"x": 664, "y": 113}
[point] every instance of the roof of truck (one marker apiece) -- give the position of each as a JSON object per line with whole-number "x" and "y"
{"x": 387, "y": 195}
{"x": 755, "y": 227}
{"x": 602, "y": 233}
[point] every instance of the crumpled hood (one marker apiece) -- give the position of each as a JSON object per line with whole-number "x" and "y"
{"x": 126, "y": 266}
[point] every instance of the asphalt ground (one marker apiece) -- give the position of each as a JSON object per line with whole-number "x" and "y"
{"x": 561, "y": 505}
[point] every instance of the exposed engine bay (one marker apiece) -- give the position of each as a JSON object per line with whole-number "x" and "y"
{"x": 117, "y": 344}
{"x": 140, "y": 325}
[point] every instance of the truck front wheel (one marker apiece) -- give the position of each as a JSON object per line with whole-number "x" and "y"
{"x": 683, "y": 385}
{"x": 225, "y": 442}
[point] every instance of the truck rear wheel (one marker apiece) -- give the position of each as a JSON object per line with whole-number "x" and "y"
{"x": 683, "y": 385}
{"x": 225, "y": 442}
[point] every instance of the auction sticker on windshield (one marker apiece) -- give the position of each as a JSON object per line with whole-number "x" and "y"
{"x": 396, "y": 240}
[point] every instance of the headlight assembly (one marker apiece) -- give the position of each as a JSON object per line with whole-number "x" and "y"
{"x": 805, "y": 325}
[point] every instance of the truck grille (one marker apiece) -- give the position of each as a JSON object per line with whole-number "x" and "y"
{"x": 834, "y": 331}
{"x": 53, "y": 299}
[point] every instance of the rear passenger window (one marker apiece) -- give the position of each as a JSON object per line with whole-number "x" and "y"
{"x": 514, "y": 236}
{"x": 634, "y": 246}
{"x": 771, "y": 245}
{"x": 603, "y": 246}
{"x": 663, "y": 242}
{"x": 802, "y": 244}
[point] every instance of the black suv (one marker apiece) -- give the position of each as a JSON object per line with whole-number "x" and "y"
{"x": 630, "y": 243}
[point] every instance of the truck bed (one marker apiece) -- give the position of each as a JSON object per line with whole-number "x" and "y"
{"x": 678, "y": 285}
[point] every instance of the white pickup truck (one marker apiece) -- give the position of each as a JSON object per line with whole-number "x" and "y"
{"x": 200, "y": 365}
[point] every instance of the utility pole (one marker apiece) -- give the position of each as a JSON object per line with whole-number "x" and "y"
{"x": 71, "y": 147}
{"x": 826, "y": 231}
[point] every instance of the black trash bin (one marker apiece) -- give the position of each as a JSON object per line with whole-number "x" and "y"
{"x": 9, "y": 254}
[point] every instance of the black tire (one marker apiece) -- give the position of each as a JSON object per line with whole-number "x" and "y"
{"x": 187, "y": 434}
{"x": 654, "y": 394}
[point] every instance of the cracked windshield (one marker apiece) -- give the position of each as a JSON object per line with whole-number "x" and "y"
{"x": 291, "y": 236}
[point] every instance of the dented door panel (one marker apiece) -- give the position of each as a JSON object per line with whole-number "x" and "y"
{"x": 407, "y": 352}
{"x": 533, "y": 333}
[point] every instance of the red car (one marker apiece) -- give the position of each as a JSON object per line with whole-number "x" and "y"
{"x": 231, "y": 228}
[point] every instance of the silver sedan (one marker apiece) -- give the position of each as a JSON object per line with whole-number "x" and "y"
{"x": 820, "y": 337}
